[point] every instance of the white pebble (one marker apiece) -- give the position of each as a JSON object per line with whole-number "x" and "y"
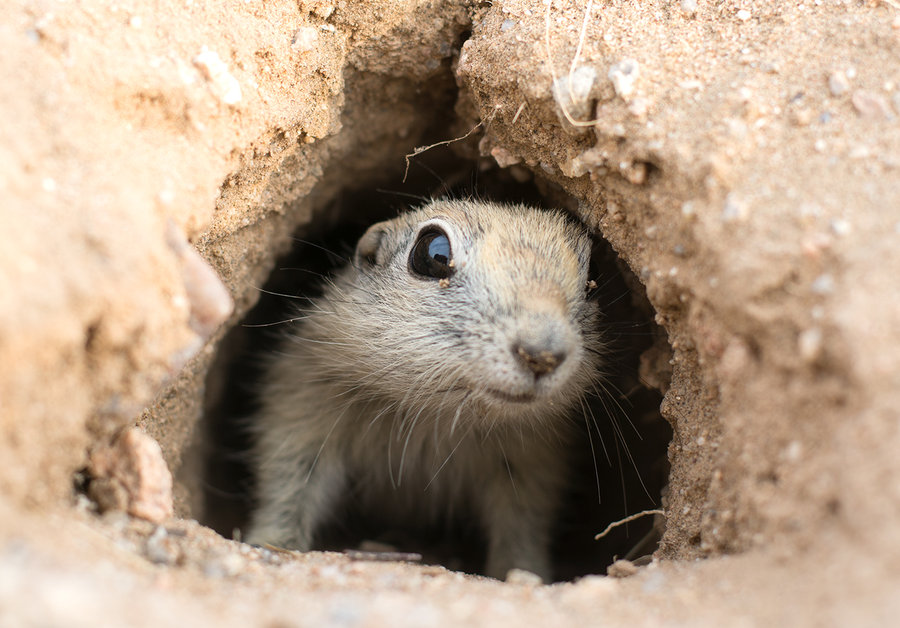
{"x": 838, "y": 83}
{"x": 523, "y": 577}
{"x": 574, "y": 88}
{"x": 224, "y": 85}
{"x": 810, "y": 345}
{"x": 840, "y": 226}
{"x": 572, "y": 94}
{"x": 743, "y": 15}
{"x": 793, "y": 451}
{"x": 871, "y": 105}
{"x": 623, "y": 76}
{"x": 734, "y": 209}
{"x": 305, "y": 39}
{"x": 823, "y": 284}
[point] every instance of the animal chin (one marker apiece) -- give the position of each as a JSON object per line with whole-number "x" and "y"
{"x": 506, "y": 397}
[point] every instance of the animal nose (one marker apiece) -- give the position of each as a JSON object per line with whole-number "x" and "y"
{"x": 539, "y": 360}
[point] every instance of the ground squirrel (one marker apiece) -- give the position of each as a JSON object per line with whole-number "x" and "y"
{"x": 439, "y": 372}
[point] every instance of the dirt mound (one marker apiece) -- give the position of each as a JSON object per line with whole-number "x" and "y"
{"x": 741, "y": 158}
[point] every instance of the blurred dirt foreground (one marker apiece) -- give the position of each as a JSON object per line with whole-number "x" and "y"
{"x": 743, "y": 158}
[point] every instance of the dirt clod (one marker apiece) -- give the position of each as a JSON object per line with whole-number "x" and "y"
{"x": 621, "y": 569}
{"x": 131, "y": 475}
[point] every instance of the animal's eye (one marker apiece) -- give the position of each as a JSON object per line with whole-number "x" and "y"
{"x": 431, "y": 255}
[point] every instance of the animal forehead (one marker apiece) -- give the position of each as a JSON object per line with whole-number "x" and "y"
{"x": 524, "y": 253}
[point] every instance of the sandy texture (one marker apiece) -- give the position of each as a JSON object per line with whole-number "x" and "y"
{"x": 759, "y": 205}
{"x": 742, "y": 158}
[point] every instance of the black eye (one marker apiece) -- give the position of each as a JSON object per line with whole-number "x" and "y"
{"x": 431, "y": 255}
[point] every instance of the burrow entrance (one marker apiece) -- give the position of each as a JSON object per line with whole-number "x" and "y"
{"x": 620, "y": 462}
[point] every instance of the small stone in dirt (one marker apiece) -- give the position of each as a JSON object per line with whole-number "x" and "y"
{"x": 621, "y": 569}
{"x": 209, "y": 299}
{"x": 639, "y": 107}
{"x": 623, "y": 75}
{"x": 130, "y": 474}
{"x": 305, "y": 39}
{"x": 160, "y": 549}
{"x": 689, "y": 6}
{"x": 504, "y": 157}
{"x": 735, "y": 209}
{"x": 523, "y": 577}
{"x": 572, "y": 94}
{"x": 224, "y": 85}
{"x": 871, "y": 105}
{"x": 810, "y": 345}
{"x": 838, "y": 83}
{"x": 840, "y": 226}
{"x": 223, "y": 564}
{"x": 823, "y": 284}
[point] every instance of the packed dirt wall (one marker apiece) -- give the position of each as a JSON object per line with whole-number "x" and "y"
{"x": 741, "y": 158}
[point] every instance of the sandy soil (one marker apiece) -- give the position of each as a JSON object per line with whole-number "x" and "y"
{"x": 742, "y": 158}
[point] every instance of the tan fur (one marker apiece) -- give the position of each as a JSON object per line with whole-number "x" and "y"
{"x": 410, "y": 391}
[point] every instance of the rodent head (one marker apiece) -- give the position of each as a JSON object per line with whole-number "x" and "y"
{"x": 477, "y": 303}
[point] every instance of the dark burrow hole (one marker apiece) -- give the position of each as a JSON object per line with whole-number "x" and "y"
{"x": 620, "y": 467}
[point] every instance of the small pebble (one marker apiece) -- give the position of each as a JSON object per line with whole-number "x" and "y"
{"x": 823, "y": 284}
{"x": 838, "y": 83}
{"x": 793, "y": 451}
{"x": 743, "y": 15}
{"x": 131, "y": 475}
{"x": 871, "y": 105}
{"x": 810, "y": 345}
{"x": 503, "y": 157}
{"x": 572, "y": 94}
{"x": 639, "y": 107}
{"x": 323, "y": 11}
{"x": 621, "y": 569}
{"x": 159, "y": 548}
{"x": 523, "y": 577}
{"x": 223, "y": 564}
{"x": 210, "y": 301}
{"x": 734, "y": 209}
{"x": 224, "y": 85}
{"x": 305, "y": 39}
{"x": 840, "y": 226}
{"x": 689, "y": 6}
{"x": 623, "y": 76}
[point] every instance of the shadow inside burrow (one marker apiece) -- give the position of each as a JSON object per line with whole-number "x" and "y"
{"x": 619, "y": 462}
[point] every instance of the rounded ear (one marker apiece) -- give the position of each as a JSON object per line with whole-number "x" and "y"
{"x": 368, "y": 245}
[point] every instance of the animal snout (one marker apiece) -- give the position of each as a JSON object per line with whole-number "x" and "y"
{"x": 543, "y": 337}
{"x": 539, "y": 360}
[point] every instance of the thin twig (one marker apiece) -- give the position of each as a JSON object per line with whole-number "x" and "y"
{"x": 628, "y": 519}
{"x": 421, "y": 149}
